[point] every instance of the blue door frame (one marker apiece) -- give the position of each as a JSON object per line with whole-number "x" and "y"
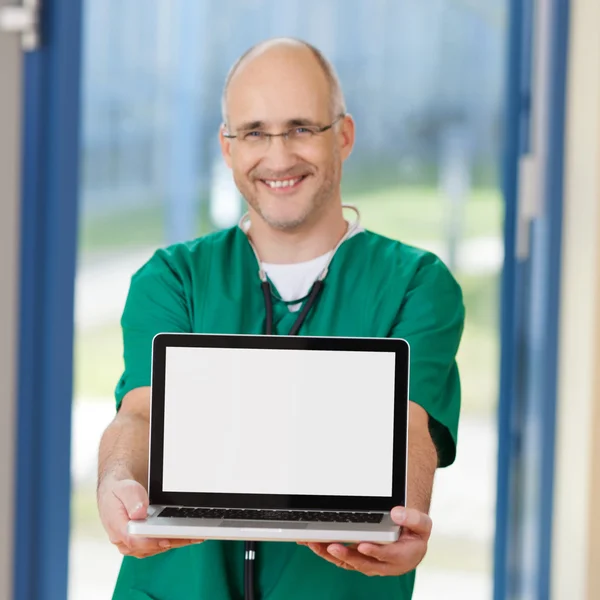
{"x": 529, "y": 322}
{"x": 50, "y": 190}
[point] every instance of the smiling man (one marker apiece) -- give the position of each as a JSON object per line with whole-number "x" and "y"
{"x": 291, "y": 186}
{"x": 285, "y": 135}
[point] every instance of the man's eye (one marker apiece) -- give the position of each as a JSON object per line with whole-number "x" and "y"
{"x": 254, "y": 135}
{"x": 303, "y": 131}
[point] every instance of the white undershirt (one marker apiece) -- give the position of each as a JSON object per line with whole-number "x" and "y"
{"x": 293, "y": 281}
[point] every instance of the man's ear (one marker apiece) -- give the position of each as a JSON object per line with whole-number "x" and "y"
{"x": 225, "y": 145}
{"x": 346, "y": 135}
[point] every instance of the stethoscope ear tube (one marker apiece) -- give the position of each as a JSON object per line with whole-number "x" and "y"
{"x": 310, "y": 301}
{"x": 266, "y": 288}
{"x": 352, "y": 228}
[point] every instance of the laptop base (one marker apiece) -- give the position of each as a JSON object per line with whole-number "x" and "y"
{"x": 384, "y": 532}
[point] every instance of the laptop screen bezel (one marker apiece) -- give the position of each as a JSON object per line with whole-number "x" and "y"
{"x": 158, "y": 496}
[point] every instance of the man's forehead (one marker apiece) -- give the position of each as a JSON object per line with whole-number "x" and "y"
{"x": 278, "y": 86}
{"x": 277, "y": 111}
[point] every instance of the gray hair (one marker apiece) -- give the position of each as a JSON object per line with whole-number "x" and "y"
{"x": 337, "y": 101}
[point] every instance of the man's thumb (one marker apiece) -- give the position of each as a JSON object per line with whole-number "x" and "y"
{"x": 135, "y": 500}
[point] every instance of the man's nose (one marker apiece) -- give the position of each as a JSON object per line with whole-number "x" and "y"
{"x": 278, "y": 154}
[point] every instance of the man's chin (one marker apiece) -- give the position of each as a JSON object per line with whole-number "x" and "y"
{"x": 287, "y": 224}
{"x": 283, "y": 218}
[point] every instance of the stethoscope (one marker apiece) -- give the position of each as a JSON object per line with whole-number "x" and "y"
{"x": 317, "y": 286}
{"x": 308, "y": 302}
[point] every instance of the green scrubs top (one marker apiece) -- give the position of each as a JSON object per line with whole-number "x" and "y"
{"x": 376, "y": 287}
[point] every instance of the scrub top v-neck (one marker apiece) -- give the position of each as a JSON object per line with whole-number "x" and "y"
{"x": 375, "y": 287}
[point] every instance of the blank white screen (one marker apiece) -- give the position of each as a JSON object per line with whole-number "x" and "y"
{"x": 279, "y": 421}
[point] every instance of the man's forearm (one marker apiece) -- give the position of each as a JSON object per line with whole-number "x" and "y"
{"x": 422, "y": 460}
{"x": 124, "y": 449}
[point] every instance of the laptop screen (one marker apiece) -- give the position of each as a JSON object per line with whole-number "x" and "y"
{"x": 273, "y": 421}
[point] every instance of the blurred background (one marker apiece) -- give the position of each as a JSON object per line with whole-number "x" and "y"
{"x": 478, "y": 137}
{"x": 425, "y": 170}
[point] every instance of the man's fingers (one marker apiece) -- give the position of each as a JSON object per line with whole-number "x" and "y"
{"x": 146, "y": 546}
{"x": 414, "y": 520}
{"x": 134, "y": 498}
{"x": 138, "y": 552}
{"x": 154, "y": 545}
{"x": 321, "y": 550}
{"x": 396, "y": 558}
{"x": 381, "y": 553}
{"x": 123, "y": 549}
{"x": 392, "y": 559}
{"x": 177, "y": 543}
{"x": 355, "y": 560}
{"x": 143, "y": 547}
{"x": 397, "y": 553}
{"x": 121, "y": 501}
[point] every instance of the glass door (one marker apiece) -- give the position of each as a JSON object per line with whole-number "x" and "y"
{"x": 424, "y": 171}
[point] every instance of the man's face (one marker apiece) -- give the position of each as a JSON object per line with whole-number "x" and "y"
{"x": 288, "y": 182}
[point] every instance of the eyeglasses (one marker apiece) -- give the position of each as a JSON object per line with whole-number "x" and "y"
{"x": 297, "y": 135}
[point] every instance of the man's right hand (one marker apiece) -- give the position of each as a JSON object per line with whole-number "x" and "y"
{"x": 124, "y": 500}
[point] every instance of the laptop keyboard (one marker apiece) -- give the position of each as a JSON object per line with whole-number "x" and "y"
{"x": 271, "y": 515}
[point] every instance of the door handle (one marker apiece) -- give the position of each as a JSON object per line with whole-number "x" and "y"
{"x": 23, "y": 20}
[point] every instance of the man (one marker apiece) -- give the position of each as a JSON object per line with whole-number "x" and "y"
{"x": 285, "y": 135}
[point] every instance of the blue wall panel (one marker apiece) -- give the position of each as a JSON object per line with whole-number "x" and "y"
{"x": 48, "y": 250}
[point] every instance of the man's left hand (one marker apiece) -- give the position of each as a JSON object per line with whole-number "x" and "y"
{"x": 391, "y": 559}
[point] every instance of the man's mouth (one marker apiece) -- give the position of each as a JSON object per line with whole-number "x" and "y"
{"x": 281, "y": 185}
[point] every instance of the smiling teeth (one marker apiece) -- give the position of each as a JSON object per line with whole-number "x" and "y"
{"x": 286, "y": 183}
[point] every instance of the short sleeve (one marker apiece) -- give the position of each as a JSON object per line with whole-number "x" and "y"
{"x": 431, "y": 319}
{"x": 156, "y": 303}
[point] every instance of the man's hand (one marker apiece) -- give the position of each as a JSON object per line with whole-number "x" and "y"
{"x": 391, "y": 559}
{"x": 118, "y": 503}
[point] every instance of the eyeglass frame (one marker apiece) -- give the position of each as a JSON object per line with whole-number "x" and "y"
{"x": 285, "y": 134}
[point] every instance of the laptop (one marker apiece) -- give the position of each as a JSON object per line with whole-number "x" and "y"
{"x": 279, "y": 438}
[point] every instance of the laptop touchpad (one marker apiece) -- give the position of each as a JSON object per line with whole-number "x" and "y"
{"x": 263, "y": 524}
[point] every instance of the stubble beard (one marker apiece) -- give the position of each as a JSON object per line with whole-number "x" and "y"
{"x": 323, "y": 196}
